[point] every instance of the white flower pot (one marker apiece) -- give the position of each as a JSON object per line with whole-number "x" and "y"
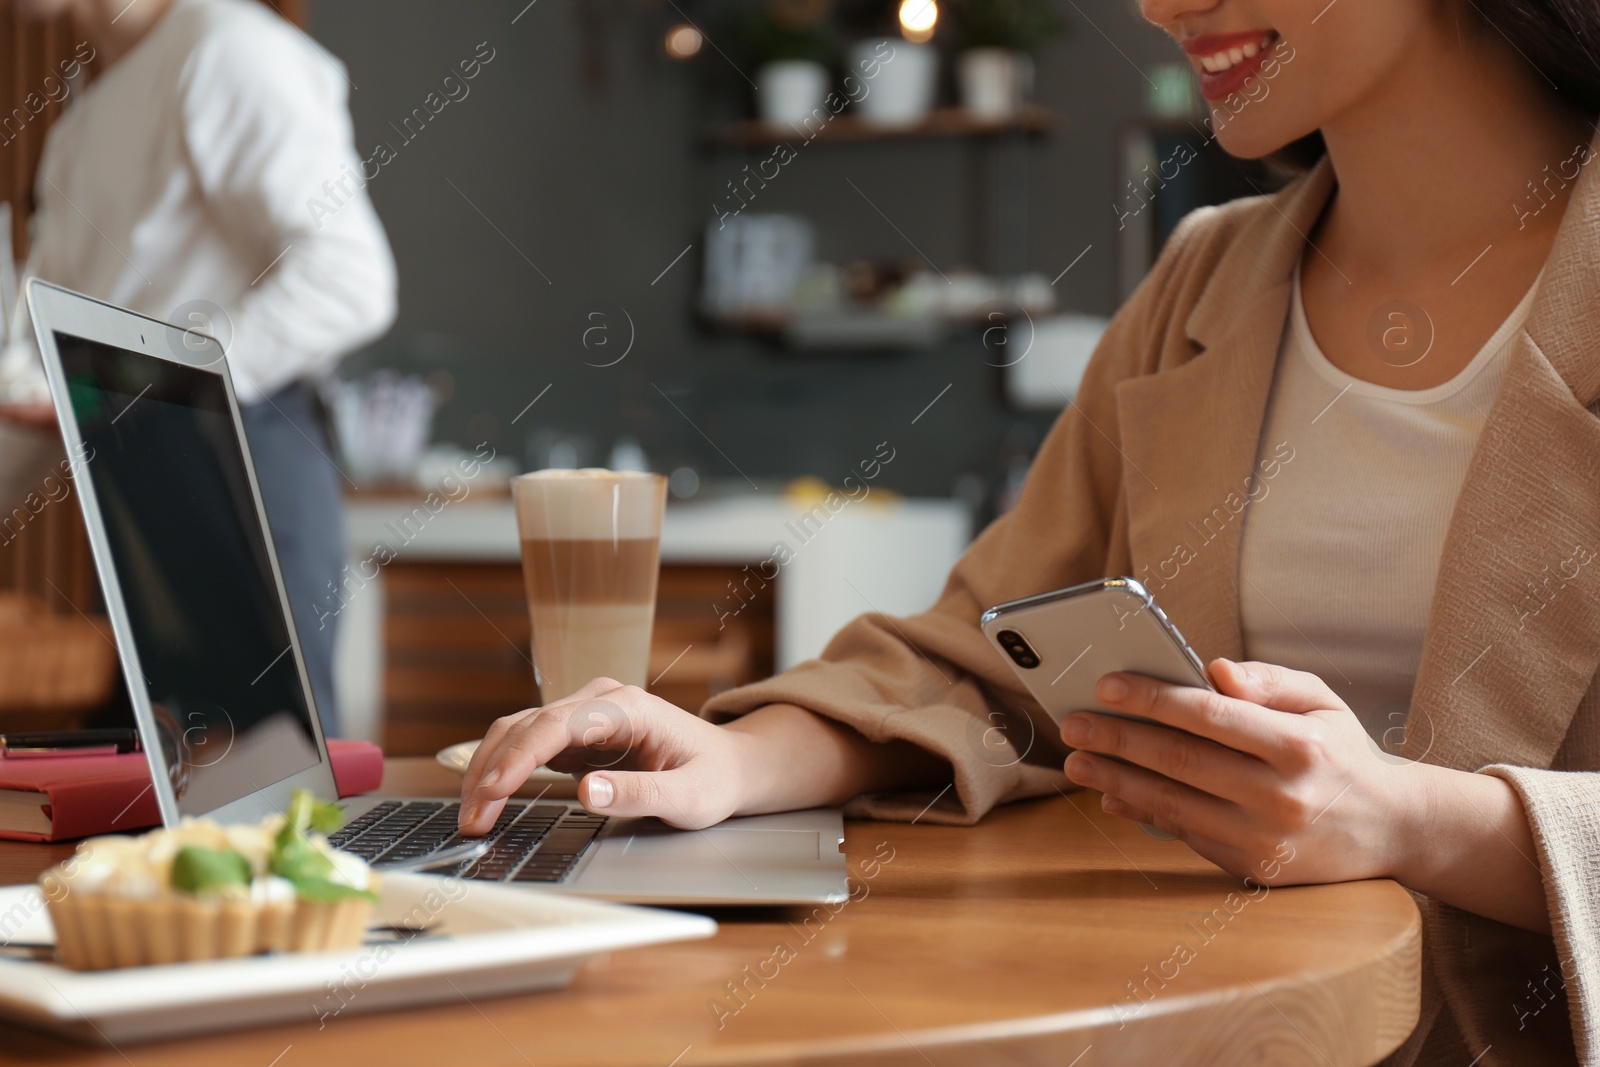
{"x": 994, "y": 81}
{"x": 789, "y": 91}
{"x": 902, "y": 90}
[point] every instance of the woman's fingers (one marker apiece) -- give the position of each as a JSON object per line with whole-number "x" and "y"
{"x": 603, "y": 732}
{"x": 596, "y": 723}
{"x": 523, "y": 746}
{"x": 577, "y": 762}
{"x": 486, "y": 748}
{"x": 1256, "y": 871}
{"x": 1183, "y": 757}
{"x": 535, "y": 739}
{"x": 677, "y": 797}
{"x": 1179, "y": 809}
{"x": 500, "y": 727}
{"x": 1273, "y": 686}
{"x": 1239, "y": 724}
{"x": 1113, "y": 805}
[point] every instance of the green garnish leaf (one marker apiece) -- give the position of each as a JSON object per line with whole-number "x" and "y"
{"x": 325, "y": 817}
{"x": 306, "y": 812}
{"x": 293, "y": 828}
{"x": 295, "y": 858}
{"x": 327, "y": 890}
{"x": 298, "y": 859}
{"x": 196, "y": 869}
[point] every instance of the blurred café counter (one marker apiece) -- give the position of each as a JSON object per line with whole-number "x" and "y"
{"x": 434, "y": 631}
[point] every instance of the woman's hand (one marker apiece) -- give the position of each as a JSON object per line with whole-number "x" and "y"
{"x": 637, "y": 754}
{"x": 1280, "y": 784}
{"x": 1279, "y": 798}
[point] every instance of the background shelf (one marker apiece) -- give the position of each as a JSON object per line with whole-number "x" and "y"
{"x": 848, "y": 128}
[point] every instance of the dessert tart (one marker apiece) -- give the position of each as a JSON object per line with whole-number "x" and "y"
{"x": 203, "y": 891}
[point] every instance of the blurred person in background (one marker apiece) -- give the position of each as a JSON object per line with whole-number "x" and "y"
{"x": 181, "y": 183}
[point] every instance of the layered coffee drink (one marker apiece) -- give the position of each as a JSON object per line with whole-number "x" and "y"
{"x": 591, "y": 550}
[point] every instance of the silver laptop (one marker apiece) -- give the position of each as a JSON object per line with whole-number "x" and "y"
{"x": 214, "y": 669}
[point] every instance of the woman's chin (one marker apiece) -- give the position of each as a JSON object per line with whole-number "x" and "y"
{"x": 1239, "y": 140}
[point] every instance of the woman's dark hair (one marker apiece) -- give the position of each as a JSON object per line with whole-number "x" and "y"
{"x": 1560, "y": 39}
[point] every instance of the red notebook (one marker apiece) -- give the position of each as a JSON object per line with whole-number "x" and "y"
{"x": 59, "y": 798}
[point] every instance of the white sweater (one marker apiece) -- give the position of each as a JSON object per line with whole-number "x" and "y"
{"x": 1341, "y": 547}
{"x": 181, "y": 182}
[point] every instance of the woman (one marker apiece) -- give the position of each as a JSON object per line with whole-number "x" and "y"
{"x": 1348, "y": 429}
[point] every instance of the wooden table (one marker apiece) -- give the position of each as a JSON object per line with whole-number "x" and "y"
{"x": 1050, "y": 934}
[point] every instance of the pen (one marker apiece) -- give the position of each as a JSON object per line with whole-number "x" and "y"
{"x": 47, "y": 743}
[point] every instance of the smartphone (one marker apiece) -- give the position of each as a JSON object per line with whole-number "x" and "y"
{"x": 1062, "y": 643}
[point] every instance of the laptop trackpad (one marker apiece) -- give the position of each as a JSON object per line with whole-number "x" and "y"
{"x": 644, "y": 858}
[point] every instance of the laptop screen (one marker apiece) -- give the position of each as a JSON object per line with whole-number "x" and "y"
{"x": 163, "y": 457}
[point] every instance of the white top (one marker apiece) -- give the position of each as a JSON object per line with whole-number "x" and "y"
{"x": 192, "y": 181}
{"x": 1341, "y": 543}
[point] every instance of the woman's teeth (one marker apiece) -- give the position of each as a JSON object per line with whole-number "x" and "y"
{"x": 1217, "y": 62}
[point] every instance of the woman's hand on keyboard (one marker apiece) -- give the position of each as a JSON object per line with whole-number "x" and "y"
{"x": 638, "y": 755}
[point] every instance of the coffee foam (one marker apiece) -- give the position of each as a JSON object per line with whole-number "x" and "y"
{"x": 591, "y": 503}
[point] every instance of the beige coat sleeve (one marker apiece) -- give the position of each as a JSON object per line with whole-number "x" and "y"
{"x": 1563, "y": 809}
{"x": 931, "y": 678}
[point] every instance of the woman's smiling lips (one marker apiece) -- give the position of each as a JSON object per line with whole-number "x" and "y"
{"x": 1226, "y": 60}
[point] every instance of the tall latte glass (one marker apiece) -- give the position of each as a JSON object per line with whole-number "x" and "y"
{"x": 591, "y": 551}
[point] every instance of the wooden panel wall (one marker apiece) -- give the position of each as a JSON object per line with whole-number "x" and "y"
{"x": 49, "y": 557}
{"x": 32, "y": 51}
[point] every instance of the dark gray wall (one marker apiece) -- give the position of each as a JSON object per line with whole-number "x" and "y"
{"x": 601, "y": 182}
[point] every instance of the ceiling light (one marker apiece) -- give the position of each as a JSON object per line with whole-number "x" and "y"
{"x": 917, "y": 18}
{"x": 683, "y": 41}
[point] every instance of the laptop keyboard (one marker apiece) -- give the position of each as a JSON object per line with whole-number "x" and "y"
{"x": 531, "y": 842}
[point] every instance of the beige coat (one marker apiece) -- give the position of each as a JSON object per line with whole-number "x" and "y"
{"x": 1164, "y": 429}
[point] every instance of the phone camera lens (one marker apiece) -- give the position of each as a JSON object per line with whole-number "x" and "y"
{"x": 1018, "y": 649}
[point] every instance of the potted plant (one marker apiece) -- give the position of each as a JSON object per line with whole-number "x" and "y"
{"x": 997, "y": 39}
{"x": 895, "y": 69}
{"x": 789, "y": 44}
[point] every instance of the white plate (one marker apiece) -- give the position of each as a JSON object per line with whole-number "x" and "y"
{"x": 483, "y": 939}
{"x": 456, "y": 758}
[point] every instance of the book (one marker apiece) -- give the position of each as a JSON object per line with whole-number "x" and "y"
{"x": 63, "y": 797}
